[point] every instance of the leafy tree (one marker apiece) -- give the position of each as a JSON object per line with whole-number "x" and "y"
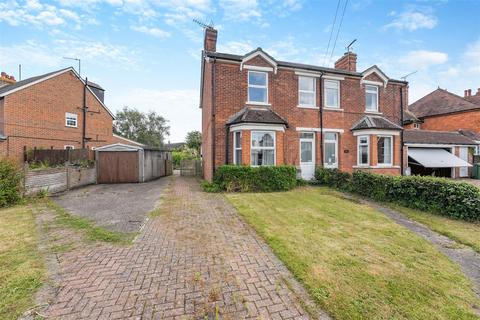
{"x": 147, "y": 128}
{"x": 194, "y": 141}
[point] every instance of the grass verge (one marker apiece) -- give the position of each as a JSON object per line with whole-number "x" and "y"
{"x": 91, "y": 231}
{"x": 466, "y": 233}
{"x": 22, "y": 267}
{"x": 355, "y": 262}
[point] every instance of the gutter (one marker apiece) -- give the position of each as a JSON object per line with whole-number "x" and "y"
{"x": 84, "y": 109}
{"x": 321, "y": 120}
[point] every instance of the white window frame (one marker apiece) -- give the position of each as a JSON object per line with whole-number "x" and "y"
{"x": 335, "y": 165}
{"x": 416, "y": 125}
{"x": 325, "y": 85}
{"x": 368, "y": 89}
{"x": 264, "y": 148}
{"x": 236, "y": 147}
{"x": 358, "y": 151}
{"x": 71, "y": 116}
{"x": 314, "y": 105}
{"x": 65, "y": 147}
{"x": 477, "y": 150}
{"x": 257, "y": 86}
{"x": 391, "y": 151}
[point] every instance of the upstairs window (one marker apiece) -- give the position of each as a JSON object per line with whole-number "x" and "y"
{"x": 384, "y": 150}
{"x": 237, "y": 156}
{"x": 363, "y": 148}
{"x": 257, "y": 87}
{"x": 263, "y": 148}
{"x": 371, "y": 97}
{"x": 71, "y": 120}
{"x": 306, "y": 91}
{"x": 332, "y": 93}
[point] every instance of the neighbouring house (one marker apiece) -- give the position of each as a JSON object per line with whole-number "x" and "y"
{"x": 438, "y": 153}
{"x": 56, "y": 110}
{"x": 257, "y": 110}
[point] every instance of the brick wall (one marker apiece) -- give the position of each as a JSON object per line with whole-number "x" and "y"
{"x": 469, "y": 120}
{"x": 35, "y": 117}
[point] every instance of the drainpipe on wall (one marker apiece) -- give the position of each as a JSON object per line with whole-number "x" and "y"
{"x": 401, "y": 132}
{"x": 213, "y": 115}
{"x": 321, "y": 119}
{"x": 85, "y": 108}
{"x": 227, "y": 142}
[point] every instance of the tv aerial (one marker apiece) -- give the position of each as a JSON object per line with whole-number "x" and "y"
{"x": 404, "y": 78}
{"x": 204, "y": 24}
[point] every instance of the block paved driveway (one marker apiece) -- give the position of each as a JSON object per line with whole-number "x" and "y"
{"x": 196, "y": 260}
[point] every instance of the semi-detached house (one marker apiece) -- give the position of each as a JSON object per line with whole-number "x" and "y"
{"x": 257, "y": 110}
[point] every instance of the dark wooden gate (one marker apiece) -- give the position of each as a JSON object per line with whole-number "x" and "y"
{"x": 117, "y": 167}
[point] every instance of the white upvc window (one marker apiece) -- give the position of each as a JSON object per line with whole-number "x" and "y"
{"x": 69, "y": 147}
{"x": 262, "y": 148}
{"x": 237, "y": 147}
{"x": 257, "y": 87}
{"x": 385, "y": 150}
{"x": 330, "y": 147}
{"x": 416, "y": 125}
{"x": 371, "y": 98}
{"x": 332, "y": 93}
{"x": 363, "y": 148}
{"x": 477, "y": 150}
{"x": 307, "y": 91}
{"x": 71, "y": 120}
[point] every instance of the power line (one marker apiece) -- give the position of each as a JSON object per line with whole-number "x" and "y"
{"x": 338, "y": 31}
{"x": 331, "y": 32}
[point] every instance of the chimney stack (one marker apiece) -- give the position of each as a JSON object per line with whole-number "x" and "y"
{"x": 210, "y": 42}
{"x": 6, "y": 79}
{"x": 469, "y": 92}
{"x": 465, "y": 93}
{"x": 347, "y": 62}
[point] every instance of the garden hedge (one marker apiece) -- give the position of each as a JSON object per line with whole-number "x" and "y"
{"x": 233, "y": 178}
{"x": 10, "y": 182}
{"x": 443, "y": 196}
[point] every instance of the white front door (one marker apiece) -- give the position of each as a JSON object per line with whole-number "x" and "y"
{"x": 307, "y": 155}
{"x": 464, "y": 156}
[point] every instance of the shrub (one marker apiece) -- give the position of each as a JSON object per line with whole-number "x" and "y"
{"x": 184, "y": 154}
{"x": 232, "y": 178}
{"x": 439, "y": 195}
{"x": 10, "y": 182}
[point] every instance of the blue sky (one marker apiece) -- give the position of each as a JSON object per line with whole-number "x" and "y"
{"x": 146, "y": 53}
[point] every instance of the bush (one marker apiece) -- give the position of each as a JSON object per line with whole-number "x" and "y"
{"x": 10, "y": 182}
{"x": 232, "y": 178}
{"x": 184, "y": 154}
{"x": 457, "y": 200}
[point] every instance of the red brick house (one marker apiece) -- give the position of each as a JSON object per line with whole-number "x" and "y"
{"x": 257, "y": 110}
{"x": 48, "y": 111}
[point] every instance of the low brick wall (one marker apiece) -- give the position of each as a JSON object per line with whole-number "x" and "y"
{"x": 58, "y": 179}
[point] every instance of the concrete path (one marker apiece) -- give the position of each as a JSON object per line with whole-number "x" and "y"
{"x": 196, "y": 260}
{"x": 467, "y": 258}
{"x": 119, "y": 207}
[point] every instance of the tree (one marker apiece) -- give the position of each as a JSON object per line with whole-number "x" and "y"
{"x": 147, "y": 128}
{"x": 194, "y": 141}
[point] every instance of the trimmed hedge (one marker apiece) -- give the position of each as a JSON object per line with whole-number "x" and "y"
{"x": 10, "y": 182}
{"x": 457, "y": 200}
{"x": 233, "y": 178}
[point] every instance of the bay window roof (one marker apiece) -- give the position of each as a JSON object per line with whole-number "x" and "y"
{"x": 375, "y": 122}
{"x": 257, "y": 115}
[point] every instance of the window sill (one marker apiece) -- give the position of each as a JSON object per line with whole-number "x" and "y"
{"x": 333, "y": 109}
{"x": 71, "y": 126}
{"x": 373, "y": 112}
{"x": 257, "y": 103}
{"x": 307, "y": 107}
{"x": 376, "y": 167}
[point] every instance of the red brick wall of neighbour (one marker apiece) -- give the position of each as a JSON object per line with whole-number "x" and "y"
{"x": 207, "y": 142}
{"x": 453, "y": 122}
{"x": 35, "y": 117}
{"x": 231, "y": 95}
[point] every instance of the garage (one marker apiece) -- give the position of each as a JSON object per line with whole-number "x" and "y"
{"x": 121, "y": 163}
{"x": 437, "y": 153}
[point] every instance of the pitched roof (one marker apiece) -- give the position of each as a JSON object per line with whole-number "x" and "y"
{"x": 256, "y": 115}
{"x": 440, "y": 102}
{"x": 375, "y": 122}
{"x": 471, "y": 134}
{"x": 436, "y": 137}
{"x": 474, "y": 99}
{"x": 25, "y": 82}
{"x": 409, "y": 117}
{"x": 95, "y": 85}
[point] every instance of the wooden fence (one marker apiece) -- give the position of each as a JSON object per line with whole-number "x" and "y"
{"x": 190, "y": 167}
{"x": 57, "y": 156}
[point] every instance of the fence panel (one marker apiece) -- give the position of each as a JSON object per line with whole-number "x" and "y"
{"x": 190, "y": 167}
{"x": 57, "y": 156}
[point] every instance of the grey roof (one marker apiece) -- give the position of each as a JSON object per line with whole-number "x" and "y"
{"x": 95, "y": 85}
{"x": 175, "y": 145}
{"x": 22, "y": 83}
{"x": 375, "y": 122}
{"x": 471, "y": 134}
{"x": 436, "y": 137}
{"x": 256, "y": 115}
{"x": 409, "y": 117}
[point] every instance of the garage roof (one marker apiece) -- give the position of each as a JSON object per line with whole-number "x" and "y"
{"x": 118, "y": 147}
{"x": 436, "y": 158}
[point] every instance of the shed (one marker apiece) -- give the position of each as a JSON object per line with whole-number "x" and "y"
{"x": 122, "y": 163}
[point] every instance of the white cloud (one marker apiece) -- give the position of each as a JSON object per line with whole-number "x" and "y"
{"x": 240, "y": 10}
{"x": 184, "y": 117}
{"x": 413, "y": 20}
{"x": 156, "y": 32}
{"x": 421, "y": 59}
{"x": 236, "y": 47}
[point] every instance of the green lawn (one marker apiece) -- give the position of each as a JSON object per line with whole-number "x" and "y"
{"x": 466, "y": 233}
{"x": 355, "y": 262}
{"x": 21, "y": 265}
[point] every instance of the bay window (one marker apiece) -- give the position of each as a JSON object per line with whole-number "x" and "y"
{"x": 257, "y": 87}
{"x": 384, "y": 150}
{"x": 363, "y": 147}
{"x": 262, "y": 148}
{"x": 306, "y": 91}
{"x": 332, "y": 93}
{"x": 371, "y": 98}
{"x": 237, "y": 147}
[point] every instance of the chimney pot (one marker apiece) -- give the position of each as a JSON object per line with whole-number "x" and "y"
{"x": 465, "y": 93}
{"x": 210, "y": 42}
{"x": 347, "y": 62}
{"x": 469, "y": 92}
